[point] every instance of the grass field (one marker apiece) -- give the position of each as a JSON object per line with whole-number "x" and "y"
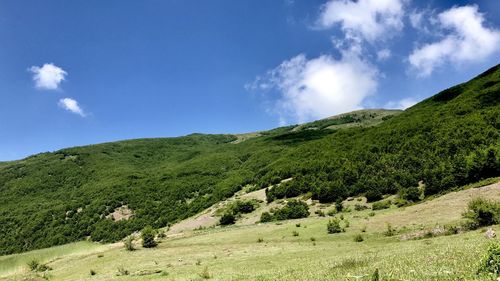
{"x": 272, "y": 252}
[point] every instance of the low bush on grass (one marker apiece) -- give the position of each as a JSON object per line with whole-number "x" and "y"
{"x": 205, "y": 274}
{"x": 34, "y": 265}
{"x": 411, "y": 194}
{"x": 380, "y": 205}
{"x": 360, "y": 207}
{"x": 266, "y": 217}
{"x": 122, "y": 271}
{"x": 92, "y": 272}
{"x": 482, "y": 212}
{"x": 390, "y": 231}
{"x": 295, "y": 233}
{"x": 490, "y": 263}
{"x": 129, "y": 243}
{"x": 148, "y": 237}
{"x": 333, "y": 226}
{"x": 358, "y": 238}
{"x": 294, "y": 209}
{"x": 227, "y": 219}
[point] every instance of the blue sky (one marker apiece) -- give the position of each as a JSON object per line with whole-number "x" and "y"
{"x": 83, "y": 72}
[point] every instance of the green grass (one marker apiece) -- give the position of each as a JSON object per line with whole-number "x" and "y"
{"x": 11, "y": 263}
{"x": 270, "y": 251}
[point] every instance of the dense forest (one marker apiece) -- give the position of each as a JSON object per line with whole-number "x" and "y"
{"x": 448, "y": 140}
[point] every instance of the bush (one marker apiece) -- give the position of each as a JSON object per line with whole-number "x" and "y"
{"x": 205, "y": 274}
{"x": 332, "y": 212}
{"x": 129, "y": 243}
{"x": 320, "y": 213}
{"x": 294, "y": 209}
{"x": 373, "y": 195}
{"x": 148, "y": 237}
{"x": 491, "y": 261}
{"x": 92, "y": 272}
{"x": 266, "y": 217}
{"x": 391, "y": 231}
{"x": 245, "y": 207}
{"x": 260, "y": 240}
{"x": 295, "y": 233}
{"x": 360, "y": 207}
{"x": 375, "y": 275}
{"x": 338, "y": 206}
{"x": 411, "y": 194}
{"x": 481, "y": 212}
{"x": 122, "y": 271}
{"x": 358, "y": 238}
{"x": 384, "y": 204}
{"x": 333, "y": 226}
{"x": 33, "y": 265}
{"x": 227, "y": 219}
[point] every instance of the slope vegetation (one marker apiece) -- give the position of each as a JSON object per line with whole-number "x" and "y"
{"x": 446, "y": 141}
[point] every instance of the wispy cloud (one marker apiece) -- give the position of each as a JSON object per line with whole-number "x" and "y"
{"x": 466, "y": 39}
{"x": 72, "y": 106}
{"x": 48, "y": 77}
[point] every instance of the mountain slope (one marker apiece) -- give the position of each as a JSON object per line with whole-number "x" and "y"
{"x": 448, "y": 140}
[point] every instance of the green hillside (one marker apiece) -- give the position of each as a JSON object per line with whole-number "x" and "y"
{"x": 448, "y": 140}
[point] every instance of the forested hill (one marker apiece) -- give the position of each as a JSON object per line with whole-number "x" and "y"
{"x": 448, "y": 140}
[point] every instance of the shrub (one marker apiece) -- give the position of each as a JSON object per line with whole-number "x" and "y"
{"x": 294, "y": 209}
{"x": 481, "y": 212}
{"x": 295, "y": 233}
{"x": 358, "y": 238}
{"x": 360, "y": 207}
{"x": 375, "y": 275}
{"x": 227, "y": 219}
{"x": 320, "y": 213}
{"x": 391, "y": 231}
{"x": 332, "y": 212}
{"x": 33, "y": 265}
{"x": 297, "y": 225}
{"x": 338, "y": 206}
{"x": 245, "y": 207}
{"x": 373, "y": 195}
{"x": 205, "y": 274}
{"x": 491, "y": 261}
{"x": 411, "y": 194}
{"x": 313, "y": 239}
{"x": 92, "y": 272}
{"x": 266, "y": 217}
{"x": 129, "y": 243}
{"x": 148, "y": 237}
{"x": 384, "y": 204}
{"x": 122, "y": 271}
{"x": 371, "y": 214}
{"x": 333, "y": 226}
{"x": 260, "y": 240}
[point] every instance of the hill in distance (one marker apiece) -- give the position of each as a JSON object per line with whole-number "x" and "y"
{"x": 444, "y": 142}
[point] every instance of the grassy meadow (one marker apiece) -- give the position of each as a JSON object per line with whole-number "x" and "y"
{"x": 289, "y": 250}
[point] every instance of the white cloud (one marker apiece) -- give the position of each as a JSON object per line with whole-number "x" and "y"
{"x": 320, "y": 87}
{"x": 367, "y": 19}
{"x": 468, "y": 40}
{"x": 71, "y": 105}
{"x": 383, "y": 54}
{"x": 48, "y": 76}
{"x": 401, "y": 104}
